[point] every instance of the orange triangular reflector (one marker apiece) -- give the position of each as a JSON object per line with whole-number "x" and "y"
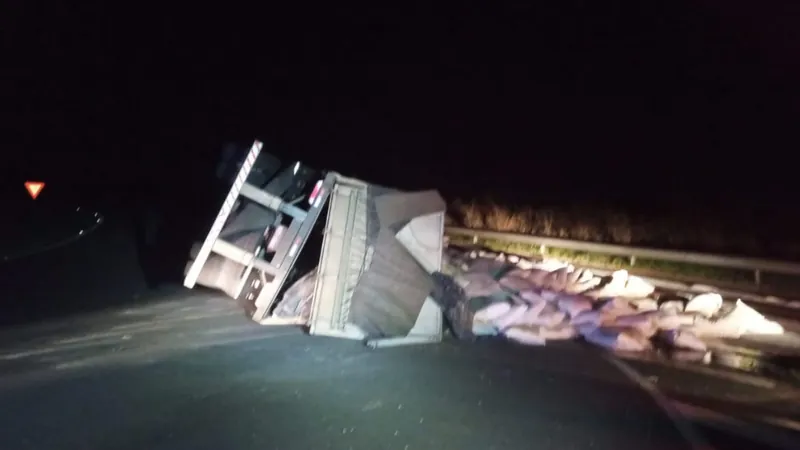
{"x": 34, "y": 188}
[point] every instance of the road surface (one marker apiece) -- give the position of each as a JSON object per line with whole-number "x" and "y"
{"x": 194, "y": 373}
{"x": 180, "y": 369}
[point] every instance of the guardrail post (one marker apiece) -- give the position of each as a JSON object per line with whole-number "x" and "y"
{"x": 620, "y": 251}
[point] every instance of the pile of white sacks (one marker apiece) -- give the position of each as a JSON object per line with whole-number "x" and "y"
{"x": 532, "y": 303}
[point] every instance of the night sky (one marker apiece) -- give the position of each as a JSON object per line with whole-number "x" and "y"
{"x": 639, "y": 104}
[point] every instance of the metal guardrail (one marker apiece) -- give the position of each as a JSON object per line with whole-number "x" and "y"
{"x": 756, "y": 265}
{"x": 98, "y": 221}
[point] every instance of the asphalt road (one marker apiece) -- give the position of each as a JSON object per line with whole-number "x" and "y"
{"x": 173, "y": 368}
{"x": 191, "y": 372}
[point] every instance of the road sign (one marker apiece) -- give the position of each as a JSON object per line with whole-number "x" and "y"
{"x": 34, "y": 188}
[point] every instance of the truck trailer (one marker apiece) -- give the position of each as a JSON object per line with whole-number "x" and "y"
{"x": 373, "y": 250}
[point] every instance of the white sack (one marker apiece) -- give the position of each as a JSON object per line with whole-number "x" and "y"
{"x": 573, "y": 305}
{"x": 531, "y": 296}
{"x": 516, "y": 283}
{"x": 636, "y": 287}
{"x": 511, "y": 317}
{"x": 668, "y": 321}
{"x": 588, "y": 320}
{"x": 488, "y": 266}
{"x": 549, "y": 317}
{"x": 643, "y": 323}
{"x": 535, "y": 276}
{"x": 478, "y": 284}
{"x": 492, "y": 312}
{"x": 742, "y": 319}
{"x": 684, "y": 340}
{"x": 617, "y": 306}
{"x": 525, "y": 264}
{"x": 672, "y": 307}
{"x": 645, "y": 304}
{"x": 557, "y": 279}
{"x": 525, "y": 335}
{"x": 614, "y": 339}
{"x": 704, "y": 304}
{"x": 532, "y": 314}
{"x": 559, "y": 333}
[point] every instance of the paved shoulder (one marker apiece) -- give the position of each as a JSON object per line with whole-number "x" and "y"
{"x": 285, "y": 390}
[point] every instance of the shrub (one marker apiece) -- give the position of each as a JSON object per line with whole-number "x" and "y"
{"x": 687, "y": 232}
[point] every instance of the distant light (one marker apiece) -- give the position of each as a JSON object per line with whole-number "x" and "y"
{"x": 34, "y": 188}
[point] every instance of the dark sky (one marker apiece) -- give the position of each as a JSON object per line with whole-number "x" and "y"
{"x": 533, "y": 102}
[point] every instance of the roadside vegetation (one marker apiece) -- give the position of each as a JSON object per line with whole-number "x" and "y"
{"x": 612, "y": 227}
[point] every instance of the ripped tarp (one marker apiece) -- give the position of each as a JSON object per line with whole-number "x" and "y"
{"x": 379, "y": 249}
{"x": 393, "y": 286}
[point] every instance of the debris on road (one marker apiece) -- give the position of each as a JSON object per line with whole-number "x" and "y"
{"x": 387, "y": 277}
{"x": 534, "y": 302}
{"x": 296, "y": 301}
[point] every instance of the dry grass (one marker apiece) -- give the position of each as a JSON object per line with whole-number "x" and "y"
{"x": 690, "y": 232}
{"x": 613, "y": 227}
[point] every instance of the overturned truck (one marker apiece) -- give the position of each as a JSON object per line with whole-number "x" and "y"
{"x": 374, "y": 249}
